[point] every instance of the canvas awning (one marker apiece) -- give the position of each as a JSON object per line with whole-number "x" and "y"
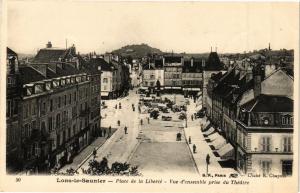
{"x": 219, "y": 142}
{"x": 209, "y": 131}
{"x": 199, "y": 93}
{"x": 214, "y": 136}
{"x": 206, "y": 124}
{"x": 226, "y": 152}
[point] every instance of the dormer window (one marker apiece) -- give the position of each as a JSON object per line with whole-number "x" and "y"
{"x": 266, "y": 121}
{"x": 83, "y": 78}
{"x": 78, "y": 79}
{"x": 38, "y": 88}
{"x": 287, "y": 120}
{"x": 48, "y": 86}
{"x": 72, "y": 80}
{"x": 55, "y": 83}
{"x": 29, "y": 91}
{"x": 63, "y": 82}
{"x": 68, "y": 81}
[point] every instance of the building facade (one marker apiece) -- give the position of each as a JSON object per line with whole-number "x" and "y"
{"x": 265, "y": 136}
{"x": 59, "y": 111}
{"x": 13, "y": 134}
{"x": 192, "y": 76}
{"x": 212, "y": 66}
{"x": 153, "y": 73}
{"x": 173, "y": 73}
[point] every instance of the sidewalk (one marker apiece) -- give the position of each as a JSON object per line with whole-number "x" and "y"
{"x": 86, "y": 152}
{"x": 203, "y": 148}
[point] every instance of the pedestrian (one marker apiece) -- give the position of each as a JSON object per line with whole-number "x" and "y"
{"x": 192, "y": 117}
{"x": 100, "y": 132}
{"x": 125, "y": 130}
{"x": 116, "y": 106}
{"x": 109, "y": 131}
{"x": 141, "y": 121}
{"x": 207, "y": 159}
{"x": 148, "y": 119}
{"x": 104, "y": 132}
{"x": 119, "y": 122}
{"x": 95, "y": 153}
{"x": 194, "y": 148}
{"x": 190, "y": 140}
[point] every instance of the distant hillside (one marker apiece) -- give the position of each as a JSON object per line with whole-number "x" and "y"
{"x": 137, "y": 51}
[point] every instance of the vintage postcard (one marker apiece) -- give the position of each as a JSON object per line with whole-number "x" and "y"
{"x": 144, "y": 96}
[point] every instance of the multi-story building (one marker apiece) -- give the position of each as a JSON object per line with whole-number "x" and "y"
{"x": 120, "y": 74}
{"x": 13, "y": 135}
{"x": 153, "y": 73}
{"x": 212, "y": 66}
{"x": 108, "y": 88}
{"x": 59, "y": 111}
{"x": 173, "y": 73}
{"x": 265, "y": 136}
{"x": 240, "y": 104}
{"x": 192, "y": 76}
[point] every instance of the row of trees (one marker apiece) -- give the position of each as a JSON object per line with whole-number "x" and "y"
{"x": 97, "y": 168}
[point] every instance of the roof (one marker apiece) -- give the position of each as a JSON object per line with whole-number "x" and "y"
{"x": 95, "y": 62}
{"x": 149, "y": 66}
{"x": 48, "y": 55}
{"x": 216, "y": 77}
{"x": 29, "y": 74}
{"x": 189, "y": 68}
{"x": 154, "y": 64}
{"x": 10, "y": 52}
{"x": 269, "y": 103}
{"x": 173, "y": 59}
{"x": 158, "y": 63}
{"x": 213, "y": 63}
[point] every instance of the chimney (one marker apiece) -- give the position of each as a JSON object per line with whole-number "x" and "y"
{"x": 257, "y": 77}
{"x": 163, "y": 61}
{"x": 49, "y": 45}
{"x": 192, "y": 62}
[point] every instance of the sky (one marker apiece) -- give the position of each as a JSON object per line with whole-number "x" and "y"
{"x": 192, "y": 27}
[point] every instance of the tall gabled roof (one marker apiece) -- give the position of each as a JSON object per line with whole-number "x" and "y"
{"x": 213, "y": 63}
